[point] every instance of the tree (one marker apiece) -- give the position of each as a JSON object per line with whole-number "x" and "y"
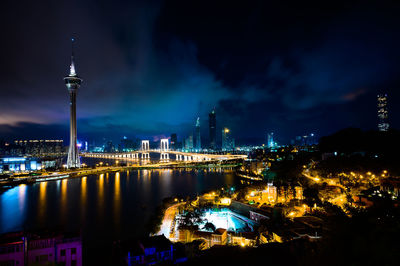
{"x": 209, "y": 227}
{"x": 190, "y": 220}
{"x": 311, "y": 196}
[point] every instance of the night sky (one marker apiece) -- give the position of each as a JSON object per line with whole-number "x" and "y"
{"x": 149, "y": 68}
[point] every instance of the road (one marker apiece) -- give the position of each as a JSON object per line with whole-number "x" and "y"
{"x": 169, "y": 215}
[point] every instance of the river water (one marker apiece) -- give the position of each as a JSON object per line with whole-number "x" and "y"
{"x": 103, "y": 207}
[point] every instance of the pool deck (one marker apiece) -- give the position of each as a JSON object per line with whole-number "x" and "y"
{"x": 169, "y": 228}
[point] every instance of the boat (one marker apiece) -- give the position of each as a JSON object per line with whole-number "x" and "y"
{"x": 249, "y": 176}
{"x": 51, "y": 177}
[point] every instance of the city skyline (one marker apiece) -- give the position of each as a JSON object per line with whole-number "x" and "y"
{"x": 175, "y": 132}
{"x": 155, "y": 81}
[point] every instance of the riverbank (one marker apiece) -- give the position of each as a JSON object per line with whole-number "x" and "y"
{"x": 18, "y": 180}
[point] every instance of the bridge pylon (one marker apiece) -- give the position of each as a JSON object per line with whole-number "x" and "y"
{"x": 164, "y": 148}
{"x": 144, "y": 149}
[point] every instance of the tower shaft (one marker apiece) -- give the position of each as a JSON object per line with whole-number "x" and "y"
{"x": 73, "y": 154}
{"x": 73, "y": 82}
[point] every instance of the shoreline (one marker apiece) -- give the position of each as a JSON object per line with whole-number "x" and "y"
{"x": 12, "y": 182}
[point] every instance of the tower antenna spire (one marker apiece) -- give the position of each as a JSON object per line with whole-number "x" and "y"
{"x": 72, "y": 72}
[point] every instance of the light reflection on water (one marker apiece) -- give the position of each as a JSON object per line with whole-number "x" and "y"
{"x": 42, "y": 204}
{"x": 117, "y": 200}
{"x": 13, "y": 207}
{"x": 22, "y": 197}
{"x": 83, "y": 196}
{"x": 63, "y": 200}
{"x": 112, "y": 204}
{"x": 100, "y": 197}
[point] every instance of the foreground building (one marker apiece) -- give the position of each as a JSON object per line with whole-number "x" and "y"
{"x": 149, "y": 251}
{"x": 22, "y": 249}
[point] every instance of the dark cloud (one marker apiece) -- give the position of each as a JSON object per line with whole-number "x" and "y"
{"x": 151, "y": 67}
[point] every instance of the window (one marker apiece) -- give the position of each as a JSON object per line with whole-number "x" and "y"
{"x": 73, "y": 250}
{"x": 73, "y": 262}
{"x": 44, "y": 258}
{"x": 62, "y": 253}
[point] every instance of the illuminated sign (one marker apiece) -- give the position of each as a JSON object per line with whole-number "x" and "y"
{"x": 33, "y": 165}
{"x": 7, "y": 160}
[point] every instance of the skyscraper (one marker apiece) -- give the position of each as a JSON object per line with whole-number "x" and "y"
{"x": 198, "y": 136}
{"x": 228, "y": 143}
{"x": 174, "y": 141}
{"x": 212, "y": 123}
{"x": 189, "y": 143}
{"x": 73, "y": 82}
{"x": 270, "y": 142}
{"x": 383, "y": 124}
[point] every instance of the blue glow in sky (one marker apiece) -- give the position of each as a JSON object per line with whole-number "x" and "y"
{"x": 150, "y": 68}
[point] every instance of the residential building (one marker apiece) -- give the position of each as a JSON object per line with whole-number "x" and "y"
{"x": 30, "y": 249}
{"x": 150, "y": 251}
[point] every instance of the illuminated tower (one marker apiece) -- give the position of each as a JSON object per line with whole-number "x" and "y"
{"x": 73, "y": 82}
{"x": 212, "y": 122}
{"x": 383, "y": 124}
{"x": 198, "y": 137}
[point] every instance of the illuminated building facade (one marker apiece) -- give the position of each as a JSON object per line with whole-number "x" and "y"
{"x": 189, "y": 143}
{"x": 383, "y": 124}
{"x": 198, "y": 136}
{"x": 73, "y": 82}
{"x": 37, "y": 147}
{"x": 270, "y": 140}
{"x": 212, "y": 123}
{"x": 272, "y": 194}
{"x": 19, "y": 164}
{"x": 228, "y": 143}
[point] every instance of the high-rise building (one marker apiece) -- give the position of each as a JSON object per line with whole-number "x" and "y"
{"x": 40, "y": 147}
{"x": 174, "y": 141}
{"x": 198, "y": 136}
{"x": 109, "y": 147}
{"x": 189, "y": 143}
{"x": 73, "y": 82}
{"x": 212, "y": 123}
{"x": 127, "y": 144}
{"x": 228, "y": 143}
{"x": 383, "y": 124}
{"x": 270, "y": 140}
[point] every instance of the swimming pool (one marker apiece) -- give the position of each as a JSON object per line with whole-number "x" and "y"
{"x": 229, "y": 220}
